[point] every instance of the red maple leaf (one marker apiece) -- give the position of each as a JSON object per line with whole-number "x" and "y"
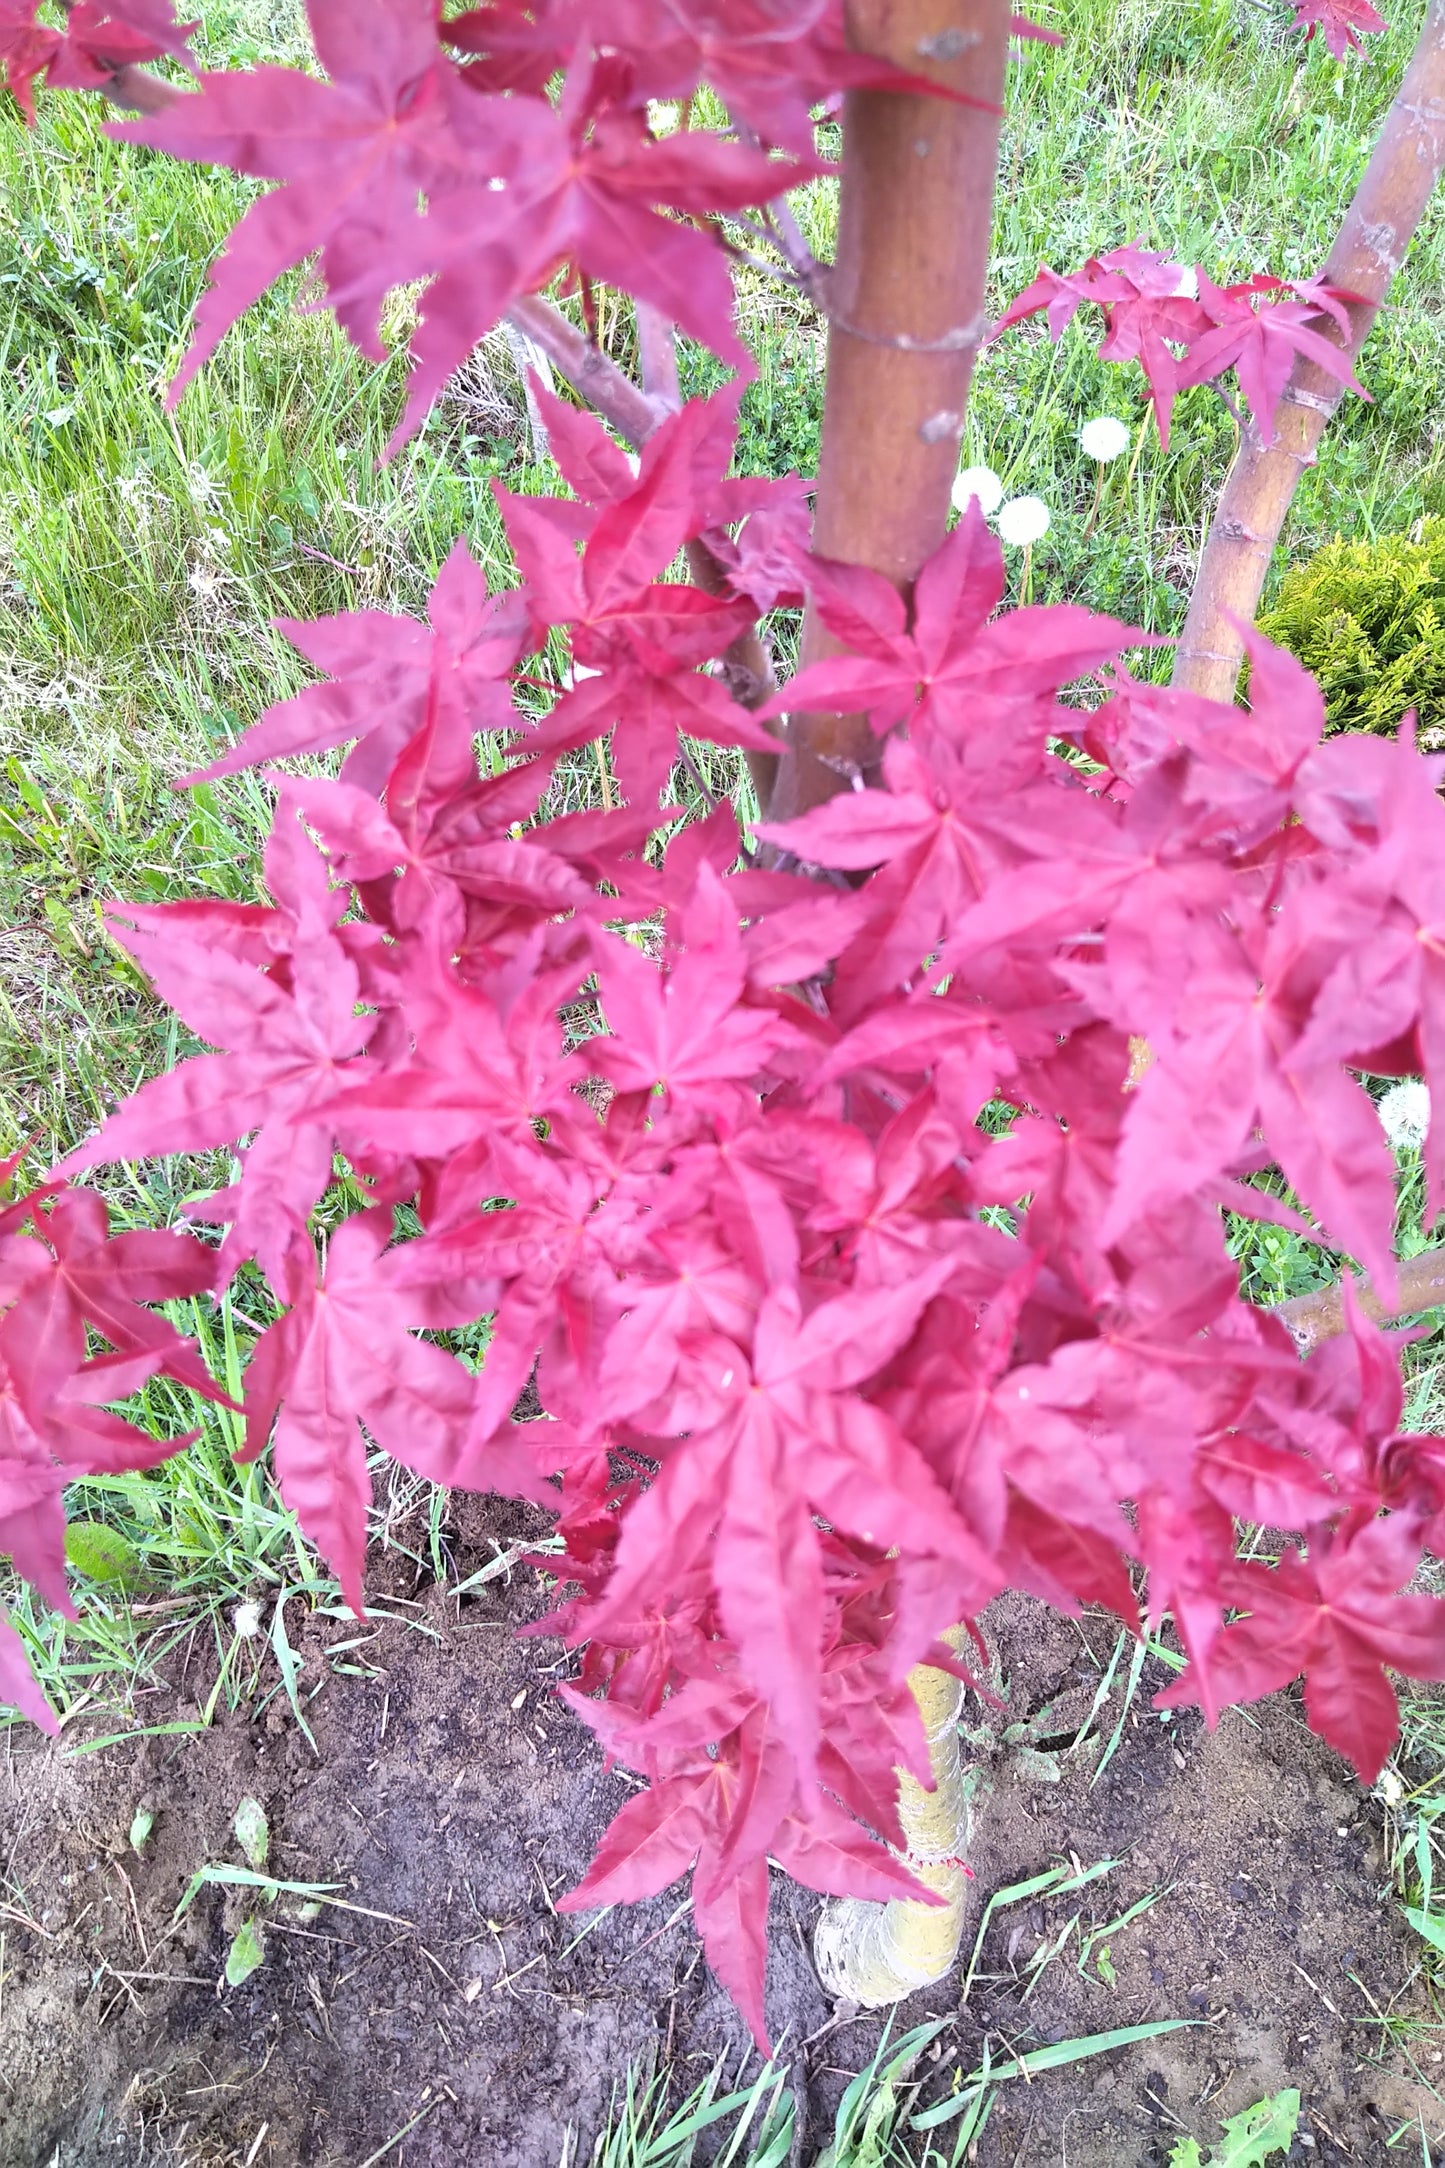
{"x": 1342, "y": 21}
{"x": 66, "y": 1282}
{"x": 583, "y": 183}
{"x": 103, "y": 35}
{"x": 104, "y": 1282}
{"x": 638, "y": 639}
{"x": 770, "y": 64}
{"x": 683, "y": 1031}
{"x": 342, "y": 1357}
{"x": 1259, "y": 340}
{"x": 287, "y": 1047}
{"x": 18, "y": 1684}
{"x": 27, "y": 48}
{"x": 352, "y": 152}
{"x": 1149, "y": 309}
{"x": 935, "y": 664}
{"x": 1336, "y": 1616}
{"x": 391, "y": 675}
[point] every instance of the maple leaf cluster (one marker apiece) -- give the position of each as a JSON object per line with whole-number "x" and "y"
{"x": 444, "y": 152}
{"x": 65, "y": 1284}
{"x": 852, "y": 1275}
{"x": 838, "y": 1269}
{"x": 1184, "y": 330}
{"x": 1345, "y": 23}
{"x": 96, "y": 38}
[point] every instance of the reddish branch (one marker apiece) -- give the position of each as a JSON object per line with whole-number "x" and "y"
{"x": 1321, "y": 1315}
{"x": 1370, "y": 247}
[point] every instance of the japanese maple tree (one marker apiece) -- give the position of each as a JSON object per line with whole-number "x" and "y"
{"x": 843, "y": 1187}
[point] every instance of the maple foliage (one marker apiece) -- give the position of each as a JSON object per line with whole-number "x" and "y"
{"x": 1183, "y": 330}
{"x": 807, "y": 1403}
{"x": 1345, "y": 23}
{"x": 838, "y": 1270}
{"x": 94, "y": 39}
{"x": 65, "y": 1283}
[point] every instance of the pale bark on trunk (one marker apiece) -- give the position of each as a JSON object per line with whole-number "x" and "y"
{"x": 1369, "y": 248}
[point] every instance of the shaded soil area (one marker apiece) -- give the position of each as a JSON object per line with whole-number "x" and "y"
{"x": 449, "y": 1799}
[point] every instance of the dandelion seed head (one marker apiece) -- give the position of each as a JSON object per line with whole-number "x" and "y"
{"x": 1023, "y": 520}
{"x": 1405, "y": 1113}
{"x": 980, "y": 483}
{"x": 246, "y": 1618}
{"x": 1104, "y": 438}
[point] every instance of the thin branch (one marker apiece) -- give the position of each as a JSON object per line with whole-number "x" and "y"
{"x": 135, "y": 89}
{"x": 793, "y": 244}
{"x": 657, "y": 351}
{"x": 1374, "y": 235}
{"x": 1321, "y": 1315}
{"x": 699, "y": 780}
{"x": 787, "y": 237}
{"x": 1216, "y": 384}
{"x": 775, "y": 275}
{"x": 606, "y": 388}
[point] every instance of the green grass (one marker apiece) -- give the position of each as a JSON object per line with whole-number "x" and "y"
{"x": 879, "y": 2121}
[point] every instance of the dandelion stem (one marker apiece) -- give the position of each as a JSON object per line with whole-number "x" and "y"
{"x": 1098, "y": 498}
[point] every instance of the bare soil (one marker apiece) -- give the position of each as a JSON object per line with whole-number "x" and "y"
{"x": 452, "y": 1799}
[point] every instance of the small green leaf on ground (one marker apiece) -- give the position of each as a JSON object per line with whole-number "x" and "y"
{"x": 253, "y": 1832}
{"x": 142, "y": 1822}
{"x": 247, "y": 1951}
{"x": 103, "y": 1554}
{"x": 1429, "y": 1924}
{"x": 1262, "y": 2131}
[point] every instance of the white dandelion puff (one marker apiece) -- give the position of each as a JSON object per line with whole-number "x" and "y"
{"x": 1405, "y": 1113}
{"x": 1104, "y": 438}
{"x": 979, "y": 484}
{"x": 1023, "y": 521}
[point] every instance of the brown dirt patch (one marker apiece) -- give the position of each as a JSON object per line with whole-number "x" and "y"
{"x": 454, "y": 1799}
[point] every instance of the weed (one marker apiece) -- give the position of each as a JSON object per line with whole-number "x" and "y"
{"x": 1248, "y": 2139}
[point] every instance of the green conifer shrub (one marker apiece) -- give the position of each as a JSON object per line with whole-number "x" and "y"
{"x": 1368, "y": 619}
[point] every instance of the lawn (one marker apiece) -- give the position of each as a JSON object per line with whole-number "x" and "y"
{"x": 144, "y": 554}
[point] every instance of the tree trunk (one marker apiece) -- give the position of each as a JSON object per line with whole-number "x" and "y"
{"x": 1369, "y": 248}
{"x": 905, "y": 303}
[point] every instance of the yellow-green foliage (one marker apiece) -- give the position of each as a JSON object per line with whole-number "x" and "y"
{"x": 1368, "y": 618}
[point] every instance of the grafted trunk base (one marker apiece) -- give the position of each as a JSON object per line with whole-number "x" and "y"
{"x": 874, "y": 1954}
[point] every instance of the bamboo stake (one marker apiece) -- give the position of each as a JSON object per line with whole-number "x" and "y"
{"x": 877, "y": 1953}
{"x": 1369, "y": 248}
